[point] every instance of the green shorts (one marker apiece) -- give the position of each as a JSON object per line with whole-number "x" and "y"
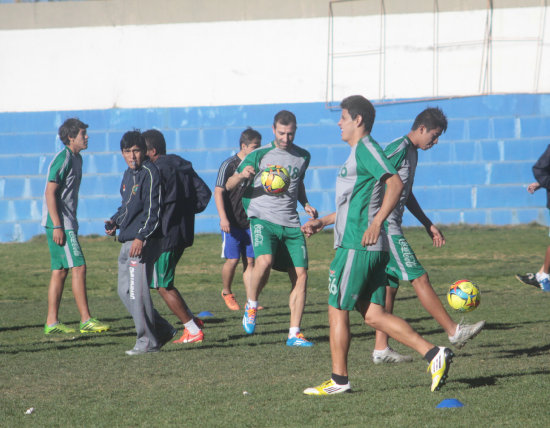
{"x": 357, "y": 275}
{"x": 165, "y": 269}
{"x": 403, "y": 263}
{"x": 65, "y": 256}
{"x": 286, "y": 244}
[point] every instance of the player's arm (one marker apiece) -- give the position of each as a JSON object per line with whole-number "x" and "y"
{"x": 218, "y": 198}
{"x": 302, "y": 198}
{"x": 236, "y": 179}
{"x": 317, "y": 224}
{"x": 51, "y": 202}
{"x": 394, "y": 187}
{"x": 414, "y": 207}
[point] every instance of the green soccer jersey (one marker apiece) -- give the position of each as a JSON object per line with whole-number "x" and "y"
{"x": 359, "y": 194}
{"x": 65, "y": 170}
{"x": 277, "y": 209}
{"x": 404, "y": 157}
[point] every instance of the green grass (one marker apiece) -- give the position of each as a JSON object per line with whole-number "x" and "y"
{"x": 502, "y": 377}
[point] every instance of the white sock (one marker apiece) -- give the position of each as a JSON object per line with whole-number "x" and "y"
{"x": 293, "y": 331}
{"x": 541, "y": 276}
{"x": 252, "y": 304}
{"x": 192, "y": 327}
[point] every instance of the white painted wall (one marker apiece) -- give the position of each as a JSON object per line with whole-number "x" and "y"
{"x": 271, "y": 61}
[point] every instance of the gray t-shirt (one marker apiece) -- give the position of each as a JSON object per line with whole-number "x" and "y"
{"x": 277, "y": 209}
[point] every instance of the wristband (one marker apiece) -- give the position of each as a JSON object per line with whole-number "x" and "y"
{"x": 57, "y": 227}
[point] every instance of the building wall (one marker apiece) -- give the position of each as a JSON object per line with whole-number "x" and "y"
{"x": 477, "y": 174}
{"x": 203, "y": 71}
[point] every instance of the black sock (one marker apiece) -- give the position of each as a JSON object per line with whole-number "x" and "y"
{"x": 431, "y": 354}
{"x": 340, "y": 380}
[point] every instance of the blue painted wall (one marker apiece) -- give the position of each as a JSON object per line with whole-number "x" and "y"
{"x": 476, "y": 174}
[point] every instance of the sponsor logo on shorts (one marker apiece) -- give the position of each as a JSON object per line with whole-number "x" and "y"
{"x": 133, "y": 263}
{"x": 257, "y": 234}
{"x": 408, "y": 255}
{"x": 77, "y": 252}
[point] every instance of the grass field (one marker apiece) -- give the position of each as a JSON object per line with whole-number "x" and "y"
{"x": 502, "y": 377}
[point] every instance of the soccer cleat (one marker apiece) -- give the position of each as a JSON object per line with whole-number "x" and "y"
{"x": 249, "y": 319}
{"x": 388, "y": 355}
{"x": 135, "y": 351}
{"x": 439, "y": 367}
{"x": 465, "y": 332}
{"x": 230, "y": 301}
{"x": 93, "y": 326}
{"x": 298, "y": 340}
{"x": 58, "y": 328}
{"x": 187, "y": 337}
{"x": 529, "y": 279}
{"x": 328, "y": 388}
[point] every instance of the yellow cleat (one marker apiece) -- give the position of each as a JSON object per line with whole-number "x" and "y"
{"x": 328, "y": 388}
{"x": 439, "y": 367}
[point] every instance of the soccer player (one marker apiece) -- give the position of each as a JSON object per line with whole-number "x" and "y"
{"x": 234, "y": 223}
{"x": 138, "y": 220}
{"x": 541, "y": 171}
{"x": 177, "y": 224}
{"x": 59, "y": 219}
{"x": 403, "y": 264}
{"x": 275, "y": 224}
{"x": 357, "y": 273}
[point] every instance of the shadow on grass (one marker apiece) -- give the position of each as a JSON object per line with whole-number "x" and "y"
{"x": 493, "y": 380}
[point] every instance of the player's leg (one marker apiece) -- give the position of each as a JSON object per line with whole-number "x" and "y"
{"x": 438, "y": 357}
{"x": 78, "y": 282}
{"x": 232, "y": 250}
{"x": 431, "y": 302}
{"x": 55, "y": 291}
{"x": 77, "y": 263}
{"x": 543, "y": 277}
{"x": 383, "y": 353}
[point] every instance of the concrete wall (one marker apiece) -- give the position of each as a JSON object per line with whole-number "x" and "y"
{"x": 203, "y": 71}
{"x": 477, "y": 173}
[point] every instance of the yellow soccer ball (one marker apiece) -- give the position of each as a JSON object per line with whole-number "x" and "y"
{"x": 275, "y": 179}
{"x": 464, "y": 296}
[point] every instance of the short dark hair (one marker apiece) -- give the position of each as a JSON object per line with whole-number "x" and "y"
{"x": 155, "y": 140}
{"x": 284, "y": 117}
{"x": 249, "y": 135}
{"x": 431, "y": 118}
{"x": 359, "y": 105}
{"x": 131, "y": 139}
{"x": 70, "y": 129}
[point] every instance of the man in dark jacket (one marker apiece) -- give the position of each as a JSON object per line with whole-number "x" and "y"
{"x": 182, "y": 198}
{"x": 138, "y": 222}
{"x": 541, "y": 171}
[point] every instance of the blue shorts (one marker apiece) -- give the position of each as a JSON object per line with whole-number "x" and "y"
{"x": 237, "y": 243}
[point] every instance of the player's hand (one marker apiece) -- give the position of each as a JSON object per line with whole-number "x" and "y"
{"x": 311, "y": 211}
{"x": 312, "y": 226}
{"x": 533, "y": 187}
{"x": 135, "y": 249}
{"x": 224, "y": 226}
{"x": 371, "y": 235}
{"x": 437, "y": 236}
{"x": 110, "y": 227}
{"x": 247, "y": 172}
{"x": 59, "y": 236}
